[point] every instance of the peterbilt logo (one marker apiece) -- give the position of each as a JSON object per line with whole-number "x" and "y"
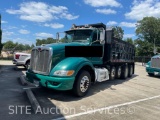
{"x": 39, "y": 49}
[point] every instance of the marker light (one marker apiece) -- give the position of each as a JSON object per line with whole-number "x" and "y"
{"x": 64, "y": 72}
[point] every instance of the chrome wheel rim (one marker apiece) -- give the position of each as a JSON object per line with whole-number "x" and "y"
{"x": 113, "y": 72}
{"x": 119, "y": 71}
{"x": 28, "y": 66}
{"x": 84, "y": 84}
{"x": 131, "y": 70}
{"x": 126, "y": 72}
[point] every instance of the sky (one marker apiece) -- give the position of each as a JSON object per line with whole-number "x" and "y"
{"x": 24, "y": 21}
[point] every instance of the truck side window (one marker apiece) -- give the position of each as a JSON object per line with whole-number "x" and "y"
{"x": 95, "y": 38}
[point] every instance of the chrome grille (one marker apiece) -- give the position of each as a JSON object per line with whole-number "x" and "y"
{"x": 155, "y": 62}
{"x": 41, "y": 60}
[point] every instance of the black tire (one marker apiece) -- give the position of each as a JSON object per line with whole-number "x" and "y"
{"x": 27, "y": 65}
{"x": 130, "y": 71}
{"x": 118, "y": 72}
{"x": 112, "y": 74}
{"x": 150, "y": 74}
{"x": 124, "y": 72}
{"x": 82, "y": 83}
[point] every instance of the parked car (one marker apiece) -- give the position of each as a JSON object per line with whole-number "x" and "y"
{"x": 22, "y": 59}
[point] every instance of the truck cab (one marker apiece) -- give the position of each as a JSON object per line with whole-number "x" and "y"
{"x": 153, "y": 66}
{"x": 86, "y": 54}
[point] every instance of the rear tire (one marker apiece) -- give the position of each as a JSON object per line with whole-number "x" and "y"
{"x": 125, "y": 72}
{"x": 112, "y": 73}
{"x": 130, "y": 72}
{"x": 118, "y": 72}
{"x": 27, "y": 65}
{"x": 82, "y": 83}
{"x": 150, "y": 74}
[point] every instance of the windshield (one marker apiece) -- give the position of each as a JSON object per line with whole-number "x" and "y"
{"x": 78, "y": 36}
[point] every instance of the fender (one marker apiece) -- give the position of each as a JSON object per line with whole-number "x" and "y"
{"x": 72, "y": 63}
{"x": 28, "y": 58}
{"x": 148, "y": 64}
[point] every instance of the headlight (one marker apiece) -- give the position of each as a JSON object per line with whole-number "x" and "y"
{"x": 64, "y": 72}
{"x": 147, "y": 65}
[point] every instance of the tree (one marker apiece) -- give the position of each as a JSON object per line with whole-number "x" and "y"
{"x": 149, "y": 29}
{"x": 129, "y": 40}
{"x": 9, "y": 45}
{"x": 118, "y": 32}
{"x": 50, "y": 40}
{"x": 20, "y": 47}
{"x": 63, "y": 40}
{"x": 27, "y": 47}
{"x": 38, "y": 42}
{"x": 143, "y": 48}
{"x": 32, "y": 46}
{"x": 45, "y": 41}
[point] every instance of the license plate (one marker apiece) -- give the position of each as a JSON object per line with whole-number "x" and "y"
{"x": 156, "y": 73}
{"x": 36, "y": 82}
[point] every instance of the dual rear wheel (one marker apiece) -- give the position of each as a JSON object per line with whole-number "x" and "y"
{"x": 121, "y": 72}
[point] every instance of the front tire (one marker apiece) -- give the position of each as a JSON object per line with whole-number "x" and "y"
{"x": 82, "y": 83}
{"x": 150, "y": 74}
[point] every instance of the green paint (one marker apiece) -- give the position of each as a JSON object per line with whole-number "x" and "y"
{"x": 150, "y": 69}
{"x": 59, "y": 62}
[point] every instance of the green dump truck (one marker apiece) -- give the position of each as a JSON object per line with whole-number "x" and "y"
{"x": 88, "y": 54}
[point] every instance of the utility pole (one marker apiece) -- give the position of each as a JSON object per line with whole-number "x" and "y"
{"x": 154, "y": 47}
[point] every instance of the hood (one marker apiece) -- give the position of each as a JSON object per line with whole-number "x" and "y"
{"x": 61, "y": 46}
{"x": 156, "y": 56}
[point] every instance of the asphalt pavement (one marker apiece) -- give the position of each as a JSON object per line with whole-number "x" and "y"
{"x": 136, "y": 98}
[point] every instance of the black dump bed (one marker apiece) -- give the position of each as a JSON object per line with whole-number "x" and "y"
{"x": 117, "y": 50}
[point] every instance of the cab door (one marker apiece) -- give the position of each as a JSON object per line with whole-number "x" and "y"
{"x": 96, "y": 42}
